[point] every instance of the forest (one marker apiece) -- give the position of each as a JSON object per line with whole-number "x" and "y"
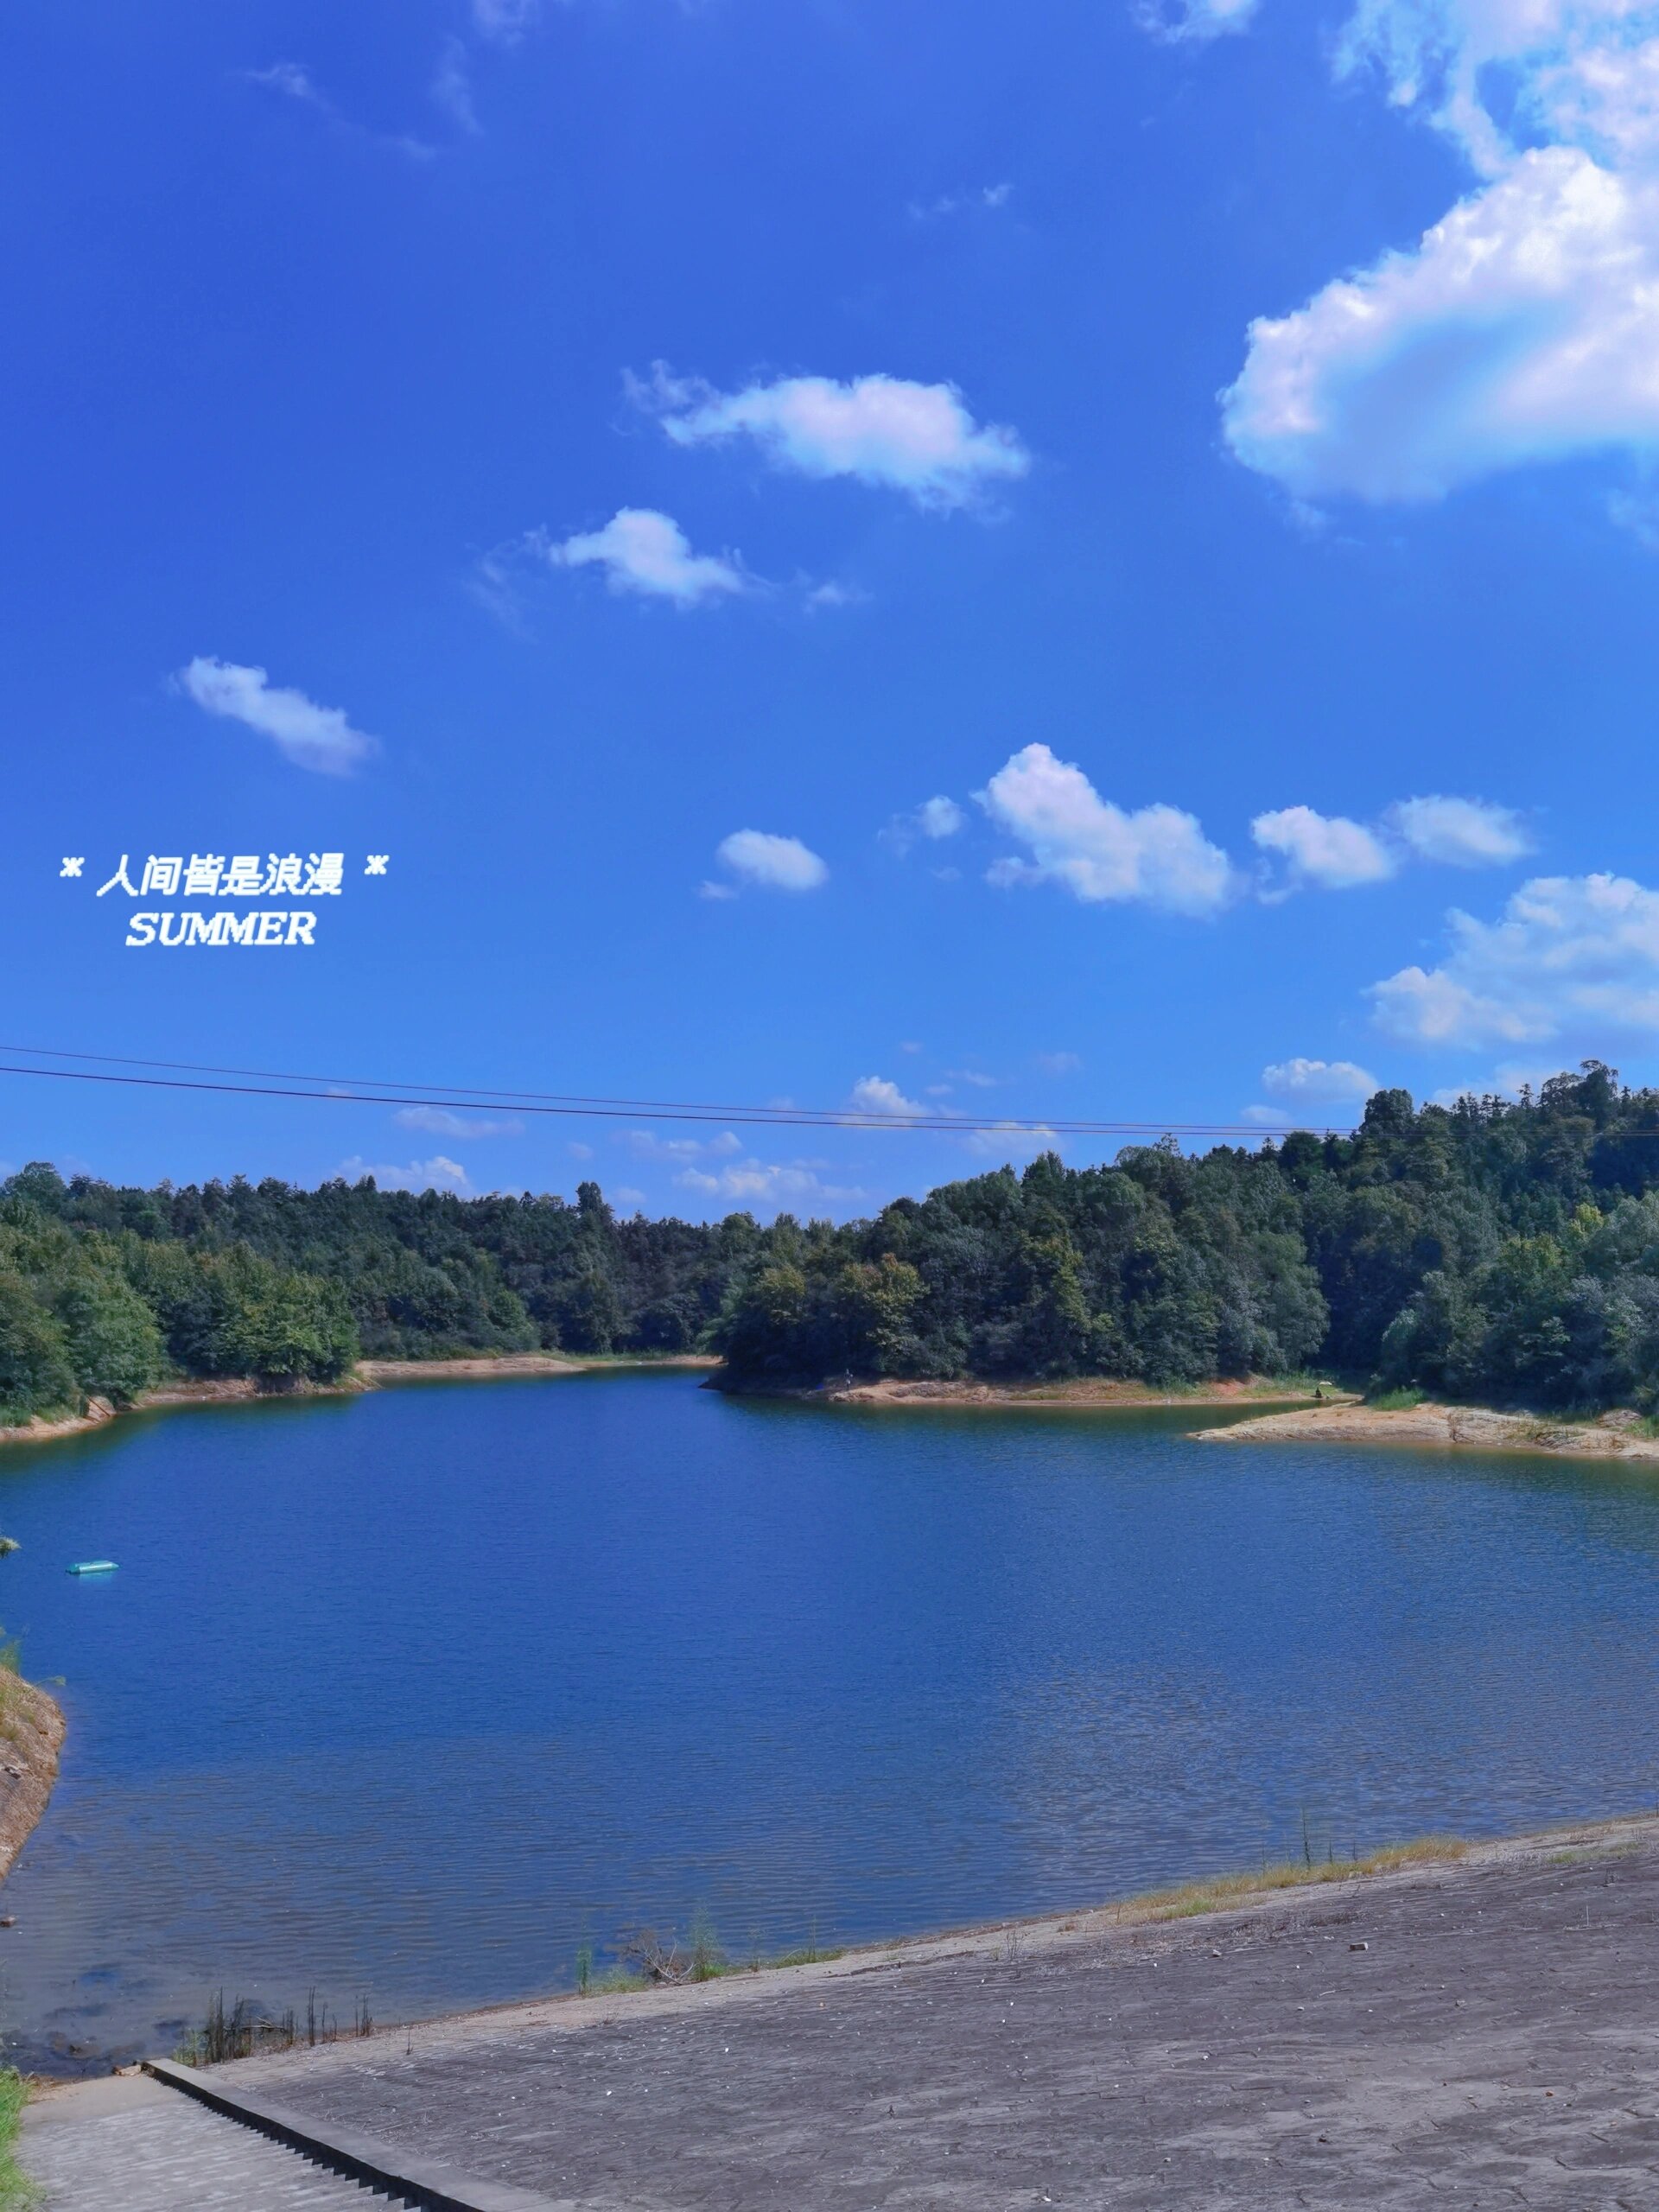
{"x": 1500, "y": 1251}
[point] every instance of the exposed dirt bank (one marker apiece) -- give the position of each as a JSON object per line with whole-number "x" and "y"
{"x": 485, "y": 1369}
{"x": 1481, "y": 2030}
{"x": 31, "y": 1737}
{"x": 1614, "y": 1436}
{"x": 222, "y": 1390}
{"x": 1082, "y": 1391}
{"x": 368, "y": 1375}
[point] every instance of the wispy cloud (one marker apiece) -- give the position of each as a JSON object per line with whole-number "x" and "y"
{"x": 767, "y": 1184}
{"x": 437, "y": 1173}
{"x": 452, "y": 87}
{"x": 442, "y": 1121}
{"x": 506, "y": 20}
{"x": 1462, "y": 832}
{"x": 982, "y": 198}
{"x": 915, "y": 438}
{"x": 318, "y": 738}
{"x": 292, "y": 80}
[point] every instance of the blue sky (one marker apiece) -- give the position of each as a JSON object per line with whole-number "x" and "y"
{"x": 1035, "y": 561}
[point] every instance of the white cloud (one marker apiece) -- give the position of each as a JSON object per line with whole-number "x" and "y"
{"x": 452, "y": 87}
{"x": 1060, "y": 1063}
{"x": 1463, "y": 832}
{"x": 935, "y": 818}
{"x": 1523, "y": 326}
{"x": 761, "y": 1183}
{"x": 645, "y": 1144}
{"x": 1323, "y": 849}
{"x": 1267, "y": 1117}
{"x": 1010, "y": 1140}
{"x": 710, "y": 889}
{"x": 986, "y": 196}
{"x": 293, "y": 81}
{"x": 443, "y": 1121}
{"x": 319, "y": 738}
{"x": 1318, "y": 1082}
{"x": 1195, "y": 20}
{"x": 578, "y": 1150}
{"x": 1158, "y": 855}
{"x": 939, "y": 817}
{"x": 641, "y": 550}
{"x": 504, "y": 21}
{"x": 626, "y": 1195}
{"x": 918, "y": 438}
{"x": 874, "y": 1093}
{"x": 435, "y": 1175}
{"x": 775, "y": 863}
{"x": 1568, "y": 954}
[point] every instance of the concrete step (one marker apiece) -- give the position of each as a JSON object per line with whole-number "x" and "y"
{"x": 128, "y": 2144}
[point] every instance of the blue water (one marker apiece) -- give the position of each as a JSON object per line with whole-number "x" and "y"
{"x": 401, "y": 1697}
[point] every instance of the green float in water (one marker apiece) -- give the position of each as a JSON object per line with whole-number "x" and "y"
{"x": 93, "y": 1566}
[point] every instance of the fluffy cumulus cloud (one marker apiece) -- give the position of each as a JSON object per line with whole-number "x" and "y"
{"x": 1323, "y": 849}
{"x": 917, "y": 438}
{"x": 1158, "y": 856}
{"x": 318, "y": 738}
{"x": 875, "y": 1094}
{"x": 1524, "y": 324}
{"x": 437, "y": 1173}
{"x": 1336, "y": 853}
{"x": 1306, "y": 1083}
{"x": 643, "y": 551}
{"x": 1568, "y": 955}
{"x": 773, "y": 863}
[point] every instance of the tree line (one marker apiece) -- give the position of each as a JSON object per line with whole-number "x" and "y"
{"x": 1495, "y": 1249}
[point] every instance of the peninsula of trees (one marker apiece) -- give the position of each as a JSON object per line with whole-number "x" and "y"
{"x": 1492, "y": 1250}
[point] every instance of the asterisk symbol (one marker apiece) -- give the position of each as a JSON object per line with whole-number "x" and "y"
{"x": 376, "y": 864}
{"x": 72, "y": 867}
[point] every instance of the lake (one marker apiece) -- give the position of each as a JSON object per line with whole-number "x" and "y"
{"x": 404, "y": 1697}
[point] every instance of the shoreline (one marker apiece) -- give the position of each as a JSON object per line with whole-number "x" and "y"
{"x": 1433, "y": 1860}
{"x": 366, "y": 1375}
{"x": 32, "y": 1729}
{"x": 1616, "y": 1435}
{"x": 1086, "y": 1392}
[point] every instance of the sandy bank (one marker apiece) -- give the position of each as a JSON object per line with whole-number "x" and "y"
{"x": 31, "y": 1737}
{"x": 1478, "y": 2028}
{"x": 1088, "y": 1390}
{"x": 1614, "y": 1436}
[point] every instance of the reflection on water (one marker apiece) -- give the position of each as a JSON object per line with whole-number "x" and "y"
{"x": 404, "y": 1696}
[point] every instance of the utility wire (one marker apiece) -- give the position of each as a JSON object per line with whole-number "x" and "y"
{"x": 368, "y": 1091}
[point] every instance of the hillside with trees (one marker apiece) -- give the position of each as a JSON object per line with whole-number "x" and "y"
{"x": 1495, "y": 1250}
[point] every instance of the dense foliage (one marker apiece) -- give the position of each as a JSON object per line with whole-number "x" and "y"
{"x": 1493, "y": 1249}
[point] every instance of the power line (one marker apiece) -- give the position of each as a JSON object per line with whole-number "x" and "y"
{"x": 368, "y": 1091}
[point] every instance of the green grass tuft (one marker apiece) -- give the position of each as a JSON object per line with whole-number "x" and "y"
{"x": 17, "y": 2192}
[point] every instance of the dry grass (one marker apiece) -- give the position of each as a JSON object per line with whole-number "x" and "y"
{"x": 1221, "y": 1890}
